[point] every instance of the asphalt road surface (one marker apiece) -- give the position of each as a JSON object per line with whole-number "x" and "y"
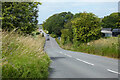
{"x": 69, "y": 64}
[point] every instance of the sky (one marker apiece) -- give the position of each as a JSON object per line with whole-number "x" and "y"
{"x": 100, "y": 8}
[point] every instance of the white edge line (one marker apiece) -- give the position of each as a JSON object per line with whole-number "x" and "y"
{"x": 113, "y": 71}
{"x": 85, "y": 61}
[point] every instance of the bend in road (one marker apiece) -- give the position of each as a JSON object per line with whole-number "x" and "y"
{"x": 70, "y": 64}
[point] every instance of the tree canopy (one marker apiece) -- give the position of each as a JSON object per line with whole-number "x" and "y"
{"x": 111, "y": 21}
{"x": 20, "y": 15}
{"x": 83, "y": 28}
{"x": 86, "y": 27}
{"x": 55, "y": 23}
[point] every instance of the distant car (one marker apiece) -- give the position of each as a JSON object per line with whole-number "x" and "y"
{"x": 47, "y": 38}
{"x": 42, "y": 34}
{"x": 47, "y": 34}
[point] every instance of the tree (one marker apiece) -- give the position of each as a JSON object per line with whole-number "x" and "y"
{"x": 111, "y": 21}
{"x": 77, "y": 15}
{"x": 66, "y": 36}
{"x": 67, "y": 33}
{"x": 86, "y": 27}
{"x": 20, "y": 15}
{"x": 55, "y": 23}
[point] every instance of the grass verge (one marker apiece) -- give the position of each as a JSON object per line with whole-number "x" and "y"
{"x": 104, "y": 47}
{"x": 23, "y": 56}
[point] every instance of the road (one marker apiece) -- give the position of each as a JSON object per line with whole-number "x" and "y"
{"x": 69, "y": 64}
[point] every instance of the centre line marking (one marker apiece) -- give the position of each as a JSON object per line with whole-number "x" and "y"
{"x": 113, "y": 71}
{"x": 69, "y": 55}
{"x": 64, "y": 54}
{"x": 85, "y": 61}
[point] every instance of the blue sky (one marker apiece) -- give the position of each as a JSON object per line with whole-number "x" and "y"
{"x": 100, "y": 9}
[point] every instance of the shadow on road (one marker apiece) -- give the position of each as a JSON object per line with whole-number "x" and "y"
{"x": 52, "y": 70}
{"x": 56, "y": 58}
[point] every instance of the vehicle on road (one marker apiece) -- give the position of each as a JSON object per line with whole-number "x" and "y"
{"x": 47, "y": 38}
{"x": 78, "y": 64}
{"x": 47, "y": 34}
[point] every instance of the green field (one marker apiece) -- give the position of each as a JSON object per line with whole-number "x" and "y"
{"x": 23, "y": 56}
{"x": 104, "y": 47}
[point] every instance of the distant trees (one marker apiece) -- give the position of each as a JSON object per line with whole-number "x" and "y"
{"x": 83, "y": 28}
{"x": 111, "y": 21}
{"x": 20, "y": 15}
{"x": 55, "y": 23}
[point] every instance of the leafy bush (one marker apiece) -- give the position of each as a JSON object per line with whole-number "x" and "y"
{"x": 20, "y": 15}
{"x": 53, "y": 35}
{"x": 37, "y": 33}
{"x": 33, "y": 33}
{"x": 86, "y": 28}
{"x": 66, "y": 36}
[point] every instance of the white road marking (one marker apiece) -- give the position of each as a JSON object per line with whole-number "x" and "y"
{"x": 64, "y": 54}
{"x": 113, "y": 71}
{"x": 69, "y": 55}
{"x": 61, "y": 52}
{"x": 85, "y": 61}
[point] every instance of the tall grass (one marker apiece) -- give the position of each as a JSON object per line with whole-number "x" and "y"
{"x": 23, "y": 56}
{"x": 104, "y": 47}
{"x": 0, "y": 51}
